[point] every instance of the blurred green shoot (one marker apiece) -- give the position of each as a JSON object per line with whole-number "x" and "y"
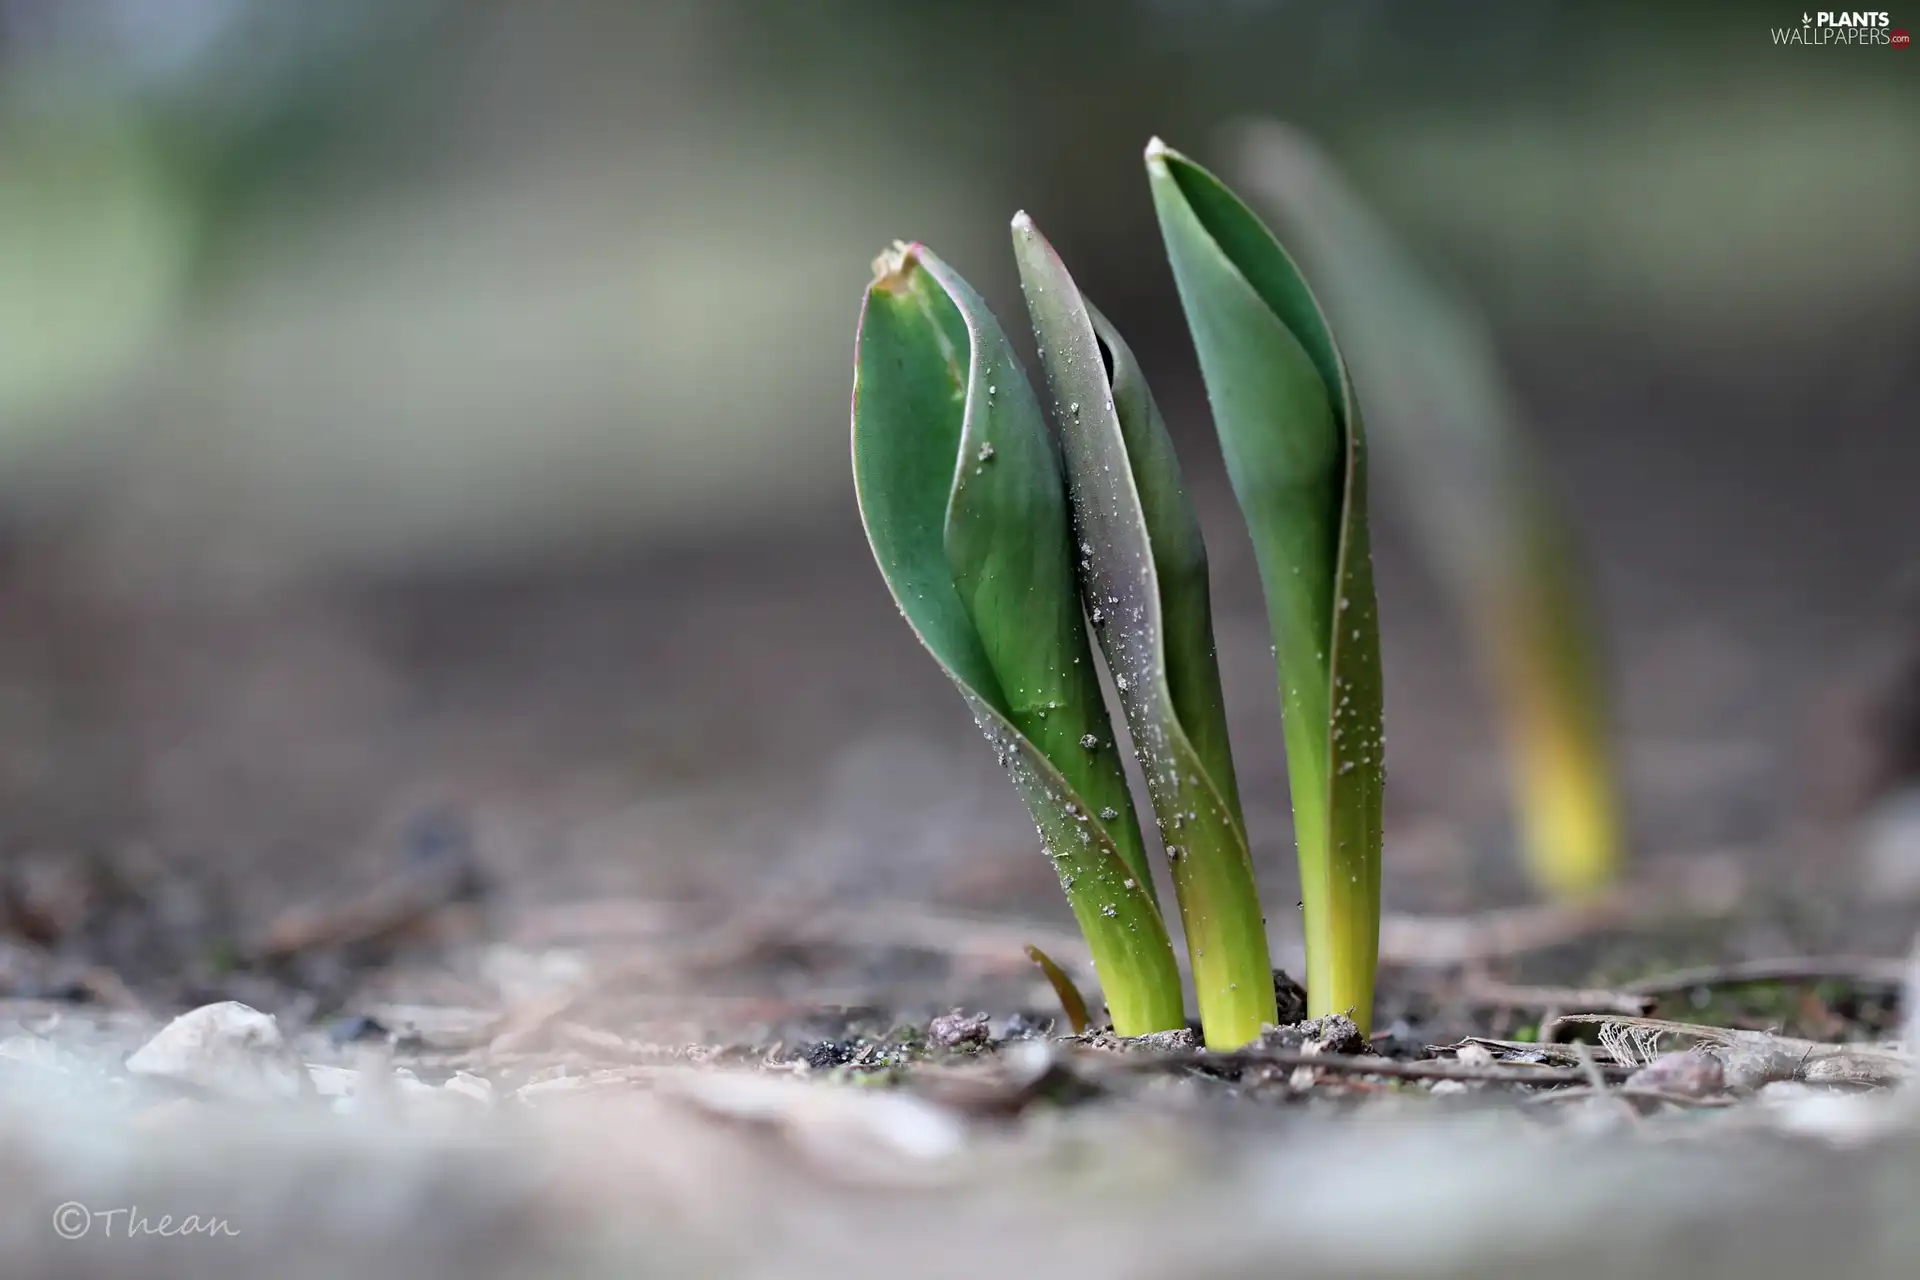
{"x": 960, "y": 490}
{"x": 96, "y": 237}
{"x": 1144, "y": 571}
{"x": 1444, "y": 419}
{"x": 1295, "y": 451}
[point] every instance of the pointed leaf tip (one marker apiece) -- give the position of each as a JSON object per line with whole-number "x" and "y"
{"x": 893, "y": 265}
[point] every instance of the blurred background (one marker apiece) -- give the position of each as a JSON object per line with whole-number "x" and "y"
{"x": 420, "y": 415}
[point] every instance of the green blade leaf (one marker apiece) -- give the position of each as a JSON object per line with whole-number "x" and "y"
{"x": 1069, "y": 996}
{"x": 1446, "y": 423}
{"x": 1144, "y": 570}
{"x": 961, "y": 495}
{"x": 1295, "y": 452}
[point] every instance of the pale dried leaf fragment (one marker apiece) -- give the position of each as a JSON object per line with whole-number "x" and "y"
{"x": 1692, "y": 1073}
{"x": 1750, "y": 1059}
{"x": 229, "y": 1050}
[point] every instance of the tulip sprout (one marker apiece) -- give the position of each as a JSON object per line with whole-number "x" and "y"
{"x": 1447, "y": 424}
{"x": 960, "y": 490}
{"x": 1000, "y": 546}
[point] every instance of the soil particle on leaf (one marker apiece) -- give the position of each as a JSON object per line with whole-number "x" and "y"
{"x": 958, "y": 1030}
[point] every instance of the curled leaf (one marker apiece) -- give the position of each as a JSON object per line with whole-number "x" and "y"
{"x": 961, "y": 495}
{"x": 1295, "y": 450}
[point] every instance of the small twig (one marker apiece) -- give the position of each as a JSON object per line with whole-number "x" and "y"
{"x": 1863, "y": 970}
{"x": 107, "y": 987}
{"x": 1479, "y": 989}
{"x": 1355, "y": 1064}
{"x": 404, "y": 903}
{"x": 995, "y": 943}
{"x": 1590, "y": 1068}
{"x": 1547, "y": 1051}
{"x": 1712, "y": 889}
{"x": 1597, "y": 1084}
{"x": 1675, "y": 1099}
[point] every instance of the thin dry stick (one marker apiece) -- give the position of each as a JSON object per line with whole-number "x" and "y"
{"x": 654, "y": 930}
{"x": 1597, "y": 1082}
{"x": 1553, "y": 1054}
{"x": 1865, "y": 970}
{"x": 1712, "y": 889}
{"x": 1354, "y": 1064}
{"x": 1479, "y": 989}
{"x": 1638, "y": 1095}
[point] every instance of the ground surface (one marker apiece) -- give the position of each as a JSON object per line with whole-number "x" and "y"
{"x": 651, "y": 873}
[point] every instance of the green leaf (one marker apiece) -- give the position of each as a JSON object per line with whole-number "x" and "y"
{"x": 960, "y": 491}
{"x": 1447, "y": 425}
{"x": 1295, "y": 452}
{"x": 1144, "y": 571}
{"x": 1071, "y": 1002}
